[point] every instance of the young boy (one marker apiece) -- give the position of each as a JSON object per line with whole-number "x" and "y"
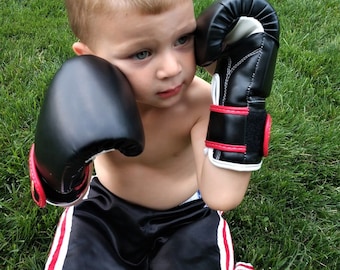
{"x": 159, "y": 209}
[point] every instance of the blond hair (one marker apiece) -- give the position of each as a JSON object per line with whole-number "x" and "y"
{"x": 83, "y": 13}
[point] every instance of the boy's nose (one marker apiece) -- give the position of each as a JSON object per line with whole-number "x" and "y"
{"x": 169, "y": 66}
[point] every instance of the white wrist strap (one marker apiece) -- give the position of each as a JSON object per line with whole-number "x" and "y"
{"x": 230, "y": 165}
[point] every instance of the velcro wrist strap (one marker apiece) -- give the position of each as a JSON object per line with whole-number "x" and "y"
{"x": 227, "y": 127}
{"x": 238, "y": 137}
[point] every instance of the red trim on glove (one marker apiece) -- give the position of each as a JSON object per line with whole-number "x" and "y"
{"x": 226, "y": 147}
{"x": 266, "y": 138}
{"x": 87, "y": 173}
{"x": 230, "y": 110}
{"x": 37, "y": 191}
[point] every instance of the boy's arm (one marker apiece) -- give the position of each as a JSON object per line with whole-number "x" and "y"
{"x": 242, "y": 38}
{"x": 221, "y": 189}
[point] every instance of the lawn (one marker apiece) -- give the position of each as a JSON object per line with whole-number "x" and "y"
{"x": 290, "y": 216}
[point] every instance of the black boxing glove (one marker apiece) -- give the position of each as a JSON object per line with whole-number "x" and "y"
{"x": 88, "y": 109}
{"x": 242, "y": 37}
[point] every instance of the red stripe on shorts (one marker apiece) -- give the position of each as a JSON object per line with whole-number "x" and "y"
{"x": 56, "y": 253}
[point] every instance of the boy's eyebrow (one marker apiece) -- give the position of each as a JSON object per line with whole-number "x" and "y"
{"x": 187, "y": 30}
{"x": 192, "y": 25}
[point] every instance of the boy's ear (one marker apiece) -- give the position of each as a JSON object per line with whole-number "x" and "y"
{"x": 81, "y": 49}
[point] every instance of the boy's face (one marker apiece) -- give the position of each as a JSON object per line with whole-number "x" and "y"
{"x": 155, "y": 52}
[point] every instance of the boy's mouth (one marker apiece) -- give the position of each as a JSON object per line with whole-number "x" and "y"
{"x": 170, "y": 92}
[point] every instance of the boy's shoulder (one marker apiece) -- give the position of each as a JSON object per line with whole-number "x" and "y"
{"x": 200, "y": 84}
{"x": 199, "y": 92}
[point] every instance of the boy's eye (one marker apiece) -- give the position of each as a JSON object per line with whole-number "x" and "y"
{"x": 182, "y": 40}
{"x": 141, "y": 55}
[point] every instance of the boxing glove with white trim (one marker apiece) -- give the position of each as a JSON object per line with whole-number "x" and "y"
{"x": 88, "y": 109}
{"x": 242, "y": 38}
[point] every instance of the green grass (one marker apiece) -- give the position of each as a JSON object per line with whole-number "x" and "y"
{"x": 290, "y": 216}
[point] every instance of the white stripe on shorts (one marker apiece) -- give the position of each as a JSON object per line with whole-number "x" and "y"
{"x": 60, "y": 243}
{"x": 225, "y": 244}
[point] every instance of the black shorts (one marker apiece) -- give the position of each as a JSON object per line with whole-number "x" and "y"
{"x": 106, "y": 232}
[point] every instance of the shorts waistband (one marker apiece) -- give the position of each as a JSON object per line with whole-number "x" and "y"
{"x": 195, "y": 196}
